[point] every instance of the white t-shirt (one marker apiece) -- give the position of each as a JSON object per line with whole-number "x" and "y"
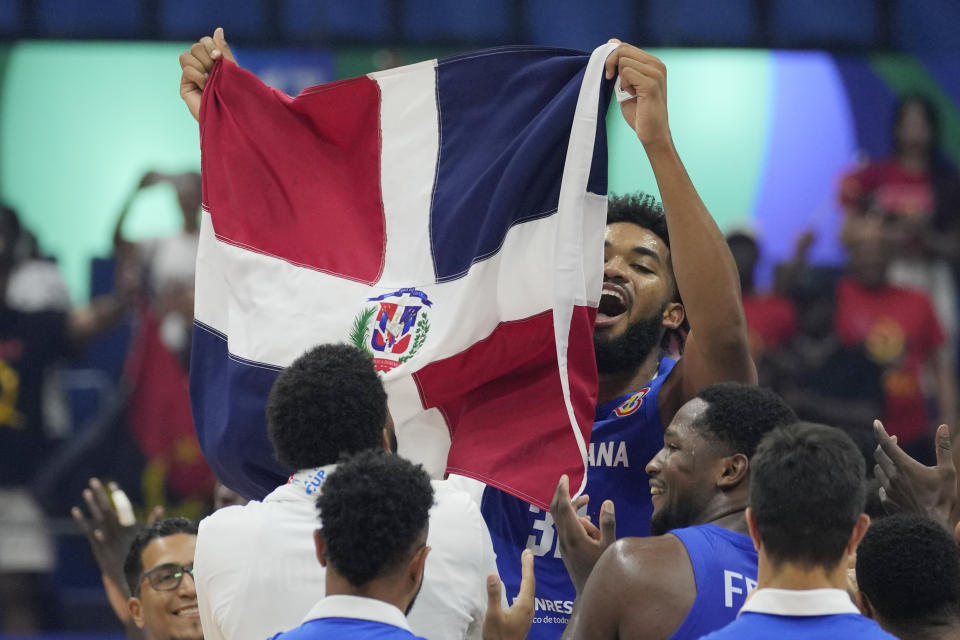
{"x": 257, "y": 572}
{"x": 171, "y": 261}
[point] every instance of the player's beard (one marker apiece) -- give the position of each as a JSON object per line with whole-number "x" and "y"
{"x": 626, "y": 352}
{"x": 663, "y": 521}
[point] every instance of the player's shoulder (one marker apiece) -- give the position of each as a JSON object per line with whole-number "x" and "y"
{"x": 644, "y": 559}
{"x": 653, "y": 573}
{"x": 456, "y": 504}
{"x": 458, "y": 534}
{"x": 236, "y": 522}
{"x": 222, "y": 537}
{"x": 226, "y": 519}
{"x": 635, "y": 545}
{"x": 458, "y": 491}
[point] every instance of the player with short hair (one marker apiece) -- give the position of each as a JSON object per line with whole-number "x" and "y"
{"x": 255, "y": 567}
{"x": 693, "y": 575}
{"x": 807, "y": 493}
{"x": 373, "y": 544}
{"x": 328, "y": 402}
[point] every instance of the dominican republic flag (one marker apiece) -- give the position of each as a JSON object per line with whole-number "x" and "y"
{"x": 447, "y": 217}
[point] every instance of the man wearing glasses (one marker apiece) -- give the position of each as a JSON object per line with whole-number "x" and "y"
{"x": 159, "y": 572}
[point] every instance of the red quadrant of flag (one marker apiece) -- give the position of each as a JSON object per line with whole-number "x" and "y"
{"x": 325, "y": 213}
{"x": 514, "y": 424}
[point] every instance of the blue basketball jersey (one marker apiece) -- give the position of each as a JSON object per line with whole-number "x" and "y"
{"x": 346, "y": 629}
{"x": 627, "y": 433}
{"x": 725, "y": 568}
{"x": 760, "y": 626}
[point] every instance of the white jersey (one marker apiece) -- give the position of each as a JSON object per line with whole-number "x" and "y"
{"x": 257, "y": 571}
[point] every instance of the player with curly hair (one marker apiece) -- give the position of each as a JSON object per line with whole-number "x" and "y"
{"x": 373, "y": 544}
{"x": 666, "y": 269}
{"x": 255, "y": 564}
{"x": 908, "y": 574}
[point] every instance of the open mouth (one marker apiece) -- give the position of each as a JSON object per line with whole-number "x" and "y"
{"x": 614, "y": 302}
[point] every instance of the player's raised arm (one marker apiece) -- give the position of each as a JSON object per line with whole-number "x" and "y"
{"x": 196, "y": 64}
{"x": 706, "y": 275}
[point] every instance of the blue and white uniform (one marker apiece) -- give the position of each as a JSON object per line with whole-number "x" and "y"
{"x": 627, "y": 433}
{"x": 800, "y": 614}
{"x": 725, "y": 568}
{"x": 347, "y": 617}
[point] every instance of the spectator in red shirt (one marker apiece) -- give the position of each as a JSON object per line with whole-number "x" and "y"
{"x": 901, "y": 333}
{"x": 822, "y": 378}
{"x": 916, "y": 192}
{"x": 771, "y": 318}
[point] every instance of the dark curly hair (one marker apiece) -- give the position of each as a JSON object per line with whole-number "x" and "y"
{"x": 328, "y": 403}
{"x": 909, "y": 569}
{"x": 807, "y": 490}
{"x": 133, "y": 563}
{"x": 739, "y": 415}
{"x": 640, "y": 209}
{"x": 374, "y": 509}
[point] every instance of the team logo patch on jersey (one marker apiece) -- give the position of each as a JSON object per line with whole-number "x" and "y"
{"x": 631, "y": 404}
{"x": 393, "y": 330}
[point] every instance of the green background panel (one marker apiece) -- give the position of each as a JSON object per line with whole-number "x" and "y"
{"x": 720, "y": 104}
{"x": 80, "y": 125}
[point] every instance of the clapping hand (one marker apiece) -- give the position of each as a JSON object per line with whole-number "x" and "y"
{"x": 907, "y": 485}
{"x": 512, "y": 623}
{"x": 581, "y": 542}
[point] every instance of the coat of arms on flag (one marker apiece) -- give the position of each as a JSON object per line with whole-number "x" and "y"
{"x": 394, "y": 331}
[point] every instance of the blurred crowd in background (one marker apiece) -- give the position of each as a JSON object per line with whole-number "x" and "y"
{"x": 101, "y": 388}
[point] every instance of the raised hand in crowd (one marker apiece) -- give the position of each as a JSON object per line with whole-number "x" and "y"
{"x": 196, "y": 64}
{"x": 581, "y": 542}
{"x": 512, "y": 623}
{"x": 110, "y": 528}
{"x": 907, "y": 485}
{"x": 187, "y": 187}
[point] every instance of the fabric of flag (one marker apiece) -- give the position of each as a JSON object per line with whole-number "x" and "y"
{"x": 448, "y": 218}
